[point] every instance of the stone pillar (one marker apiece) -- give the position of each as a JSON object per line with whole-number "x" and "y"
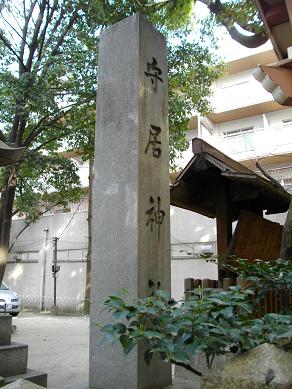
{"x": 131, "y": 244}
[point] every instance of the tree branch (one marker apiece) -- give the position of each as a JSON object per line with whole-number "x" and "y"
{"x": 47, "y": 142}
{"x": 250, "y": 41}
{"x": 50, "y": 14}
{"x": 270, "y": 178}
{"x": 34, "y": 41}
{"x": 29, "y": 223}
{"x": 25, "y": 27}
{"x": 65, "y": 32}
{"x": 11, "y": 49}
{"x": 15, "y": 212}
{"x": 10, "y": 25}
{"x": 56, "y": 25}
{"x": 188, "y": 367}
{"x": 40, "y": 127}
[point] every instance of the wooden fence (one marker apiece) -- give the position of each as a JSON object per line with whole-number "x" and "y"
{"x": 274, "y": 301}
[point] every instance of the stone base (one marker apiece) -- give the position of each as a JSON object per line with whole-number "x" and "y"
{"x": 13, "y": 359}
{"x": 5, "y": 329}
{"x": 22, "y": 384}
{"x": 35, "y": 376}
{"x": 263, "y": 366}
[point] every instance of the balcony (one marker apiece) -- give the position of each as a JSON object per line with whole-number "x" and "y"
{"x": 193, "y": 250}
{"x": 256, "y": 143}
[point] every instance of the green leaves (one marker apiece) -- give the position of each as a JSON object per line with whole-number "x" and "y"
{"x": 127, "y": 343}
{"x": 213, "y": 323}
{"x": 153, "y": 334}
{"x": 264, "y": 276}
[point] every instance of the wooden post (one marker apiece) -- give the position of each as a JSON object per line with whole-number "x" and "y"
{"x": 223, "y": 206}
{"x": 197, "y": 283}
{"x": 189, "y": 284}
{"x": 223, "y": 219}
{"x": 227, "y": 282}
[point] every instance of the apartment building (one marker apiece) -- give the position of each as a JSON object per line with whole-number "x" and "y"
{"x": 246, "y": 124}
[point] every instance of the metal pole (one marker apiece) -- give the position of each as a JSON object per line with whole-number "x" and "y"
{"x": 44, "y": 268}
{"x": 55, "y": 240}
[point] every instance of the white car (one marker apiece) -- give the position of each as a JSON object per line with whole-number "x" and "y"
{"x": 9, "y": 301}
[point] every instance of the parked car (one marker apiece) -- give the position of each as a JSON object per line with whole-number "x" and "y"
{"x": 9, "y": 301}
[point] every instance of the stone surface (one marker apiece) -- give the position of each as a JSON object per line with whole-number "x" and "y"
{"x": 22, "y": 384}
{"x": 262, "y": 367}
{"x": 5, "y": 329}
{"x": 181, "y": 383}
{"x": 199, "y": 363}
{"x": 131, "y": 246}
{"x": 35, "y": 376}
{"x": 13, "y": 359}
{"x": 2, "y": 381}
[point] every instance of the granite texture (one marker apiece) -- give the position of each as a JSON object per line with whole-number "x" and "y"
{"x": 263, "y": 367}
{"x": 22, "y": 384}
{"x": 35, "y": 376}
{"x": 13, "y": 359}
{"x": 131, "y": 243}
{"x": 5, "y": 329}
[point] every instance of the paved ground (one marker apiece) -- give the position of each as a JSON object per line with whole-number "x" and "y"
{"x": 58, "y": 345}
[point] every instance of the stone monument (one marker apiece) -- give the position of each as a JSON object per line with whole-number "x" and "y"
{"x": 131, "y": 244}
{"x": 13, "y": 357}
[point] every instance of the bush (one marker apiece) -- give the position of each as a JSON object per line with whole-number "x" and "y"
{"x": 208, "y": 322}
{"x": 264, "y": 276}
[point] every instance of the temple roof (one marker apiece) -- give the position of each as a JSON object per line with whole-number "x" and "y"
{"x": 211, "y": 172}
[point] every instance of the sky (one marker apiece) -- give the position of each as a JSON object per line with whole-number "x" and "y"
{"x": 229, "y": 49}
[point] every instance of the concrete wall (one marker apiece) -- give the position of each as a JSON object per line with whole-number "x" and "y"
{"x": 31, "y": 258}
{"x": 190, "y": 233}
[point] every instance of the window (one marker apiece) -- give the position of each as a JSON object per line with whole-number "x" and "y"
{"x": 238, "y": 131}
{"x": 241, "y": 139}
{"x": 72, "y": 255}
{"x": 25, "y": 256}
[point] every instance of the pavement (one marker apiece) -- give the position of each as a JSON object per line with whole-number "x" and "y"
{"x": 58, "y": 345}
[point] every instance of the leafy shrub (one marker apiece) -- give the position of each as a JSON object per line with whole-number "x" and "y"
{"x": 276, "y": 275}
{"x": 264, "y": 276}
{"x": 209, "y": 322}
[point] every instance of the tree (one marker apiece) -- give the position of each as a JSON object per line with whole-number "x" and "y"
{"x": 40, "y": 89}
{"x": 48, "y": 75}
{"x": 240, "y": 18}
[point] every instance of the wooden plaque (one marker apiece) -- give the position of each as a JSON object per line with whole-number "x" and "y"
{"x": 256, "y": 238}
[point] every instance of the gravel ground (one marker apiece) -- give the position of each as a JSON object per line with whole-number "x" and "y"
{"x": 59, "y": 345}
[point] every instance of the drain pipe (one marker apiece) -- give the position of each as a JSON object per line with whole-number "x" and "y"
{"x": 43, "y": 270}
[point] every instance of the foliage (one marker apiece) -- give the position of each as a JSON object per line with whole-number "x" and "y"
{"x": 263, "y": 276}
{"x": 48, "y": 74}
{"x": 173, "y": 14}
{"x": 46, "y": 181}
{"x": 239, "y": 17}
{"x": 209, "y": 322}
{"x": 192, "y": 70}
{"x": 244, "y": 13}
